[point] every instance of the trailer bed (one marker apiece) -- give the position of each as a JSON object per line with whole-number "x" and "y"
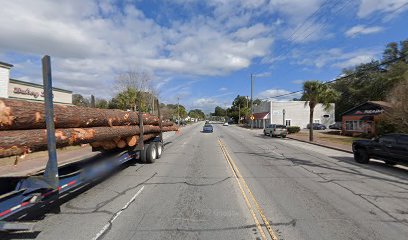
{"x": 36, "y": 164}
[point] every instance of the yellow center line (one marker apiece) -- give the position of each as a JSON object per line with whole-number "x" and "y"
{"x": 239, "y": 177}
{"x": 258, "y": 225}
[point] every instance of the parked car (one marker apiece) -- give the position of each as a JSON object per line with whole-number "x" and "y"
{"x": 317, "y": 126}
{"x": 391, "y": 148}
{"x": 336, "y": 125}
{"x": 275, "y": 130}
{"x": 208, "y": 128}
{"x": 225, "y": 124}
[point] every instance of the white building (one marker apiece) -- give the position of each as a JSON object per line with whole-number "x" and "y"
{"x": 291, "y": 113}
{"x": 12, "y": 88}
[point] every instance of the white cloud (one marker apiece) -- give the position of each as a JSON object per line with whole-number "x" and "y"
{"x": 263, "y": 74}
{"x": 247, "y": 33}
{"x": 363, "y": 30}
{"x": 276, "y": 95}
{"x": 368, "y": 7}
{"x": 337, "y": 57}
{"x": 272, "y": 93}
{"x": 206, "y": 104}
{"x": 353, "y": 61}
{"x": 298, "y": 81}
{"x": 91, "y": 45}
{"x": 223, "y": 89}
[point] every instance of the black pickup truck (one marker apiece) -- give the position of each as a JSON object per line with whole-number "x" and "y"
{"x": 391, "y": 148}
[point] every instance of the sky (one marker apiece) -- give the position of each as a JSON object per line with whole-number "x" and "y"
{"x": 202, "y": 52}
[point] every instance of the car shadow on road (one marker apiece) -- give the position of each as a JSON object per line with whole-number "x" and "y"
{"x": 397, "y": 173}
{"x": 265, "y": 136}
{"x": 378, "y": 166}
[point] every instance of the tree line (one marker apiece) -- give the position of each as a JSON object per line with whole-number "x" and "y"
{"x": 133, "y": 91}
{"x": 378, "y": 80}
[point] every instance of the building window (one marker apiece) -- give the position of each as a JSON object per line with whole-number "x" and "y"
{"x": 354, "y": 125}
{"x": 316, "y": 121}
{"x": 287, "y": 122}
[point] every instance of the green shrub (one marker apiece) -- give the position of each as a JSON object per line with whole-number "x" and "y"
{"x": 293, "y": 129}
{"x": 383, "y": 126}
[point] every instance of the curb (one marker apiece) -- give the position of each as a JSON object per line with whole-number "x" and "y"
{"x": 320, "y": 145}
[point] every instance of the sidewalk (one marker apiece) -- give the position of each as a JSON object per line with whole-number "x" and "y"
{"x": 323, "y": 139}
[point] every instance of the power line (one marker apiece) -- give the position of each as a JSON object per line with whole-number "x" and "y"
{"x": 403, "y": 56}
{"x": 326, "y": 20}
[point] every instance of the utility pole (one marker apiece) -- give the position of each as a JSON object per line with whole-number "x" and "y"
{"x": 247, "y": 101}
{"x": 239, "y": 113}
{"x": 225, "y": 104}
{"x": 178, "y": 111}
{"x": 252, "y": 104}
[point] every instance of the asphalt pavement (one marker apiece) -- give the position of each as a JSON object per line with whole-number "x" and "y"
{"x": 237, "y": 184}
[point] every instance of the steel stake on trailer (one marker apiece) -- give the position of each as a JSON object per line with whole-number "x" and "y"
{"x": 140, "y": 146}
{"x": 160, "y": 120}
{"x": 51, "y": 170}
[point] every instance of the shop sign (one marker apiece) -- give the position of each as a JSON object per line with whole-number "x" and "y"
{"x": 369, "y": 111}
{"x": 28, "y": 92}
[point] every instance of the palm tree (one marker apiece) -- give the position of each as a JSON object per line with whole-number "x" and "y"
{"x": 315, "y": 92}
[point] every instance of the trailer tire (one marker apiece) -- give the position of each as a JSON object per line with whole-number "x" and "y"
{"x": 151, "y": 153}
{"x": 159, "y": 148}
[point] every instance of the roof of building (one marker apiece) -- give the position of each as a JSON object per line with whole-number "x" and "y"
{"x": 6, "y": 64}
{"x": 381, "y": 104}
{"x": 261, "y": 115}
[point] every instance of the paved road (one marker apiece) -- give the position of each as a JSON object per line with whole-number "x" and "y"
{"x": 232, "y": 184}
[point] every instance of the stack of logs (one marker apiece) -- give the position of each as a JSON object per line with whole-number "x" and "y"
{"x": 23, "y": 128}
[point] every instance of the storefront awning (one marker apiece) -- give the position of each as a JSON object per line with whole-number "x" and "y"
{"x": 261, "y": 115}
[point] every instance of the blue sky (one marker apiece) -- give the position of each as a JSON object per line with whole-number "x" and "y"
{"x": 200, "y": 51}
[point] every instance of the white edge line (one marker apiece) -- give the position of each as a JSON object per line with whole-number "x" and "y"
{"x": 103, "y": 230}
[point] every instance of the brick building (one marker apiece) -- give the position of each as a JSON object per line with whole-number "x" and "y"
{"x": 361, "y": 119}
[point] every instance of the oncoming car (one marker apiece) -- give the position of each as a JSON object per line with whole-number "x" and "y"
{"x": 208, "y": 128}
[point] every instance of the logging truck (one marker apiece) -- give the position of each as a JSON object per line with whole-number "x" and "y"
{"x": 23, "y": 195}
{"x": 26, "y": 127}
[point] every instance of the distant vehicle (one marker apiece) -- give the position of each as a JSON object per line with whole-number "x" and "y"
{"x": 391, "y": 148}
{"x": 207, "y": 121}
{"x": 317, "y": 126}
{"x": 336, "y": 125}
{"x": 208, "y": 128}
{"x": 275, "y": 130}
{"x": 225, "y": 124}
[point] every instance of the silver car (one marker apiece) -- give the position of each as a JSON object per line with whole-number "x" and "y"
{"x": 274, "y": 130}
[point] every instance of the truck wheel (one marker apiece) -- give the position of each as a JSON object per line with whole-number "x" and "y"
{"x": 159, "y": 148}
{"x": 151, "y": 153}
{"x": 361, "y": 156}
